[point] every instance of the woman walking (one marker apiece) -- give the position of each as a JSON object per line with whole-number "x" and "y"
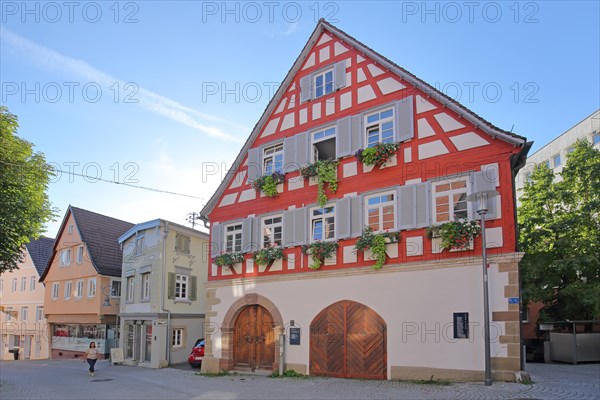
{"x": 91, "y": 356}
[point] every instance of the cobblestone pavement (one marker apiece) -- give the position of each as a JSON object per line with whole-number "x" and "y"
{"x": 68, "y": 379}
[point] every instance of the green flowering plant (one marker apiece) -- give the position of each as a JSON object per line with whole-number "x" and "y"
{"x": 268, "y": 183}
{"x": 228, "y": 259}
{"x": 377, "y": 155}
{"x": 458, "y": 234}
{"x": 326, "y": 173}
{"x": 268, "y": 255}
{"x": 320, "y": 250}
{"x": 376, "y": 243}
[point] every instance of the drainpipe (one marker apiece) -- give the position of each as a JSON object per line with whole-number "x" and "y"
{"x": 162, "y": 292}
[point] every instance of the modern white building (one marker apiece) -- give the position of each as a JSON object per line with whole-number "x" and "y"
{"x": 554, "y": 154}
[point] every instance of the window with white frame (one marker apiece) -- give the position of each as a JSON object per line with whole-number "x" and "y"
{"x": 24, "y": 313}
{"x": 272, "y": 231}
{"x": 65, "y": 257}
{"x": 79, "y": 289}
{"x": 556, "y": 160}
{"x": 379, "y": 127}
{"x": 39, "y": 313}
{"x": 68, "y": 290}
{"x": 450, "y": 200}
{"x": 273, "y": 159}
{"x": 139, "y": 245}
{"x": 182, "y": 243}
{"x": 146, "y": 286}
{"x": 115, "y": 288}
{"x": 323, "y": 142}
{"x": 55, "y": 288}
{"x": 323, "y": 83}
{"x": 322, "y": 223}
{"x": 233, "y": 238}
{"x": 130, "y": 288}
{"x": 23, "y": 283}
{"x": 177, "y": 339}
{"x": 32, "y": 283}
{"x": 381, "y": 211}
{"x": 13, "y": 287}
{"x": 91, "y": 289}
{"x": 79, "y": 254}
{"x": 181, "y": 287}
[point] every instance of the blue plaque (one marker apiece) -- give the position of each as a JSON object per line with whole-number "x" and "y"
{"x": 513, "y": 300}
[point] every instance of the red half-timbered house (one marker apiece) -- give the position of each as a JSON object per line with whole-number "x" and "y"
{"x": 419, "y": 315}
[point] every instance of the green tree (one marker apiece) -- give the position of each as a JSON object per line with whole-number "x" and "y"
{"x": 559, "y": 230}
{"x": 24, "y": 204}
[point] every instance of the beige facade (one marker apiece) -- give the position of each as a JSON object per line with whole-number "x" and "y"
{"x": 22, "y": 320}
{"x": 163, "y": 296}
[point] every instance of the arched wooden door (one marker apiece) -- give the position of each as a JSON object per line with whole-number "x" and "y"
{"x": 348, "y": 340}
{"x": 254, "y": 345}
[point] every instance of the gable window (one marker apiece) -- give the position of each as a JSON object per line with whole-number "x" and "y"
{"x": 115, "y": 288}
{"x": 450, "y": 200}
{"x": 596, "y": 138}
{"x": 79, "y": 254}
{"x": 65, "y": 257}
{"x": 39, "y": 313}
{"x": 183, "y": 244}
{"x": 181, "y": 287}
{"x": 23, "y": 283}
{"x": 324, "y": 144}
{"x": 272, "y": 231}
{"x": 139, "y": 245}
{"x": 91, "y": 289}
{"x": 177, "y": 340}
{"x": 233, "y": 238}
{"x": 79, "y": 289}
{"x": 381, "y": 211}
{"x": 323, "y": 83}
{"x": 70, "y": 229}
{"x": 379, "y": 127}
{"x": 556, "y": 160}
{"x": 13, "y": 287}
{"x": 322, "y": 223}
{"x": 273, "y": 159}
{"x": 68, "y": 290}
{"x": 130, "y": 288}
{"x": 55, "y": 290}
{"x": 24, "y": 312}
{"x": 146, "y": 286}
{"x": 32, "y": 283}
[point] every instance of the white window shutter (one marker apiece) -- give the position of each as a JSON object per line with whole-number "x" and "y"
{"x": 404, "y": 119}
{"x": 302, "y": 149}
{"x": 339, "y": 74}
{"x": 343, "y": 142}
{"x": 482, "y": 181}
{"x": 247, "y": 235}
{"x": 423, "y": 205}
{"x": 357, "y": 222}
{"x": 305, "y": 88}
{"x": 257, "y": 237}
{"x": 406, "y": 217}
{"x": 289, "y": 154}
{"x": 343, "y": 218}
{"x": 357, "y": 133}
{"x": 300, "y": 226}
{"x": 254, "y": 167}
{"x": 216, "y": 246}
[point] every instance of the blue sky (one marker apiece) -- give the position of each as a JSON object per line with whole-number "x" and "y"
{"x": 163, "y": 94}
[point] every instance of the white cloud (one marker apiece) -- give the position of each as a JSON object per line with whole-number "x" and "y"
{"x": 168, "y": 108}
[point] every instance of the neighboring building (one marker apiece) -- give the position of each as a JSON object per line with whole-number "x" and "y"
{"x": 163, "y": 297}
{"x": 22, "y": 302}
{"x": 555, "y": 153}
{"x": 83, "y": 273}
{"x": 421, "y": 315}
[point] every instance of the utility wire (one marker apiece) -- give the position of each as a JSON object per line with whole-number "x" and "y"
{"x": 110, "y": 181}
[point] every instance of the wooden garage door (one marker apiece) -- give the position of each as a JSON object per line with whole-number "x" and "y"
{"x": 348, "y": 340}
{"x": 253, "y": 337}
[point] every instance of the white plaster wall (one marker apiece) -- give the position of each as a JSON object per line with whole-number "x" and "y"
{"x": 417, "y": 306}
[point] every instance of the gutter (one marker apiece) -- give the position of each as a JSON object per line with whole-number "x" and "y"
{"x": 162, "y": 292}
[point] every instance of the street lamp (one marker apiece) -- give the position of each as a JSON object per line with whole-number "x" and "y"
{"x": 482, "y": 207}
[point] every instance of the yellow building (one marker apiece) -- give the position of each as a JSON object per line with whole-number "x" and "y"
{"x": 22, "y": 321}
